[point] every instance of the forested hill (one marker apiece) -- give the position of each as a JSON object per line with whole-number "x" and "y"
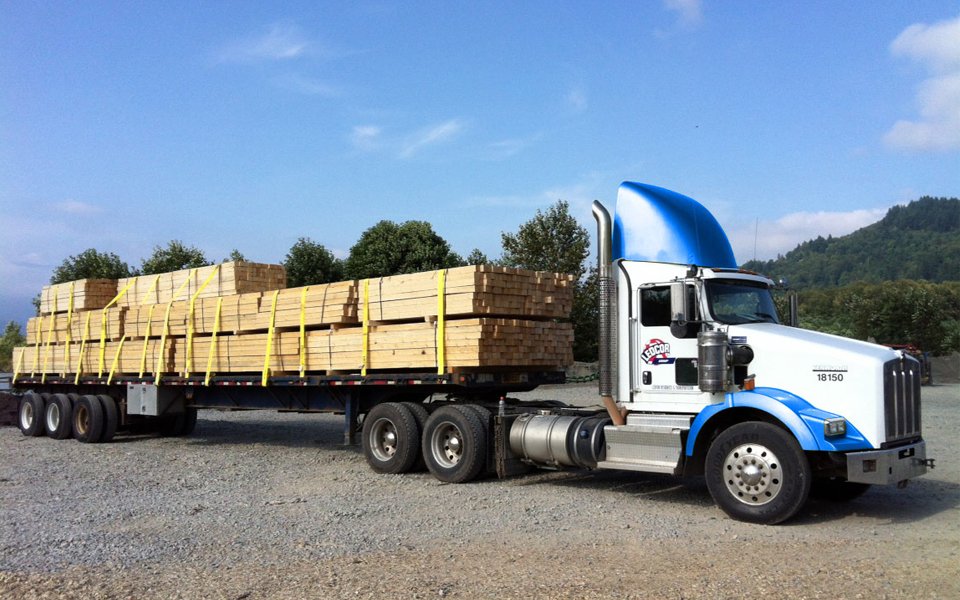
{"x": 918, "y": 241}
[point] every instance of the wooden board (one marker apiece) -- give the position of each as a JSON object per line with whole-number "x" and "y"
{"x": 229, "y": 279}
{"x": 88, "y": 294}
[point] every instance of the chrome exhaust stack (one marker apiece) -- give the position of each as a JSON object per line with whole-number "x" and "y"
{"x": 607, "y": 338}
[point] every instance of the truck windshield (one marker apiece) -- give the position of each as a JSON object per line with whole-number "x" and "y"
{"x": 738, "y": 302}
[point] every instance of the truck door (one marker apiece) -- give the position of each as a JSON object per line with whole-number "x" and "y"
{"x": 664, "y": 358}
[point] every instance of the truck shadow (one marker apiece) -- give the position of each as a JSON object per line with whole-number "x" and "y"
{"x": 922, "y": 499}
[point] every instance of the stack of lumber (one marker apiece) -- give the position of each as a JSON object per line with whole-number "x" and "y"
{"x": 88, "y": 294}
{"x": 229, "y": 278}
{"x": 493, "y": 317}
{"x": 473, "y": 290}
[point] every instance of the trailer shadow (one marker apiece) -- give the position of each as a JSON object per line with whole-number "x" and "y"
{"x": 922, "y": 499}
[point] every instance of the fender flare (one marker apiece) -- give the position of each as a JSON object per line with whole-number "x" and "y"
{"x": 800, "y": 417}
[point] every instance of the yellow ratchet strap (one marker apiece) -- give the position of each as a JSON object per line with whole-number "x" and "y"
{"x": 266, "y": 359}
{"x": 303, "y": 331}
{"x": 441, "y": 321}
{"x": 193, "y": 302}
{"x": 83, "y": 347}
{"x": 213, "y": 341}
{"x": 116, "y": 360}
{"x": 36, "y": 347}
{"x": 166, "y": 326}
{"x": 146, "y": 337}
{"x": 366, "y": 327}
{"x": 103, "y": 325}
{"x": 19, "y": 368}
{"x": 46, "y": 345}
{"x": 66, "y": 350}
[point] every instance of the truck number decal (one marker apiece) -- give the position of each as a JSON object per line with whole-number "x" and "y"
{"x": 830, "y": 376}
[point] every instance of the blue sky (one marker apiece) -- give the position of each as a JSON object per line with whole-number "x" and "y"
{"x": 247, "y": 125}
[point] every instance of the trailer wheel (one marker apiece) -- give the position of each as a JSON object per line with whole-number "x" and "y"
{"x": 391, "y": 438}
{"x": 30, "y": 415}
{"x": 455, "y": 444}
{"x": 88, "y": 420}
{"x": 837, "y": 489}
{"x": 178, "y": 425}
{"x": 111, "y": 417}
{"x": 420, "y": 414}
{"x": 58, "y": 417}
{"x": 756, "y": 472}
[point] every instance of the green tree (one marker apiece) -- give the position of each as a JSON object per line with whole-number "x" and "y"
{"x": 390, "y": 249}
{"x": 235, "y": 256}
{"x": 91, "y": 264}
{"x": 554, "y": 241}
{"x": 550, "y": 241}
{"x": 12, "y": 337}
{"x": 476, "y": 257}
{"x": 174, "y": 257}
{"x": 309, "y": 263}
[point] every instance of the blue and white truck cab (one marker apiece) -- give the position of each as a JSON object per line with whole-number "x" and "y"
{"x": 700, "y": 376}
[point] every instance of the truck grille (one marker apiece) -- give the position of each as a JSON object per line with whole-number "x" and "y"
{"x": 901, "y": 399}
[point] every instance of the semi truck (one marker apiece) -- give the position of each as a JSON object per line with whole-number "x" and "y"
{"x": 698, "y": 376}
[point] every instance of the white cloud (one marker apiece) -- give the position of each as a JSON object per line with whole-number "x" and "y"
{"x": 308, "y": 86}
{"x": 281, "y": 41}
{"x": 365, "y": 137}
{"x": 75, "y": 207}
{"x": 784, "y": 234}
{"x": 504, "y": 149}
{"x": 689, "y": 11}
{"x": 937, "y": 48}
{"x": 436, "y": 134}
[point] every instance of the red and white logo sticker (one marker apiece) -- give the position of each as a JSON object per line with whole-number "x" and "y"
{"x": 657, "y": 352}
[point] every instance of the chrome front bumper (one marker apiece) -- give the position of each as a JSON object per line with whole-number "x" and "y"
{"x": 893, "y": 465}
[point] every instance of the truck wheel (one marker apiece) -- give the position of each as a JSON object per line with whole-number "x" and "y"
{"x": 178, "y": 425}
{"x": 756, "y": 472}
{"x": 30, "y": 415}
{"x": 455, "y": 444}
{"x": 111, "y": 416}
{"x": 420, "y": 414}
{"x": 58, "y": 417}
{"x": 391, "y": 438}
{"x": 88, "y": 420}
{"x": 837, "y": 489}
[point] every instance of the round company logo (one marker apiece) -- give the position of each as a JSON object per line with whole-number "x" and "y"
{"x": 657, "y": 352}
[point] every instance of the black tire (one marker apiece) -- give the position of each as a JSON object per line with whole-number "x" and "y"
{"x": 111, "y": 417}
{"x": 30, "y": 415}
{"x": 485, "y": 419}
{"x": 455, "y": 444}
{"x": 391, "y": 438}
{"x": 837, "y": 489}
{"x": 88, "y": 422}
{"x": 420, "y": 414}
{"x": 756, "y": 472}
{"x": 58, "y": 417}
{"x": 178, "y": 425}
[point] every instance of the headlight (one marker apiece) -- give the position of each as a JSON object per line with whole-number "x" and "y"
{"x": 834, "y": 427}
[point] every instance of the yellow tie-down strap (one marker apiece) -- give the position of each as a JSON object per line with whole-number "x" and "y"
{"x": 193, "y": 302}
{"x": 166, "y": 326}
{"x": 46, "y": 345}
{"x": 303, "y": 331}
{"x": 213, "y": 341}
{"x": 116, "y": 360}
{"x": 66, "y": 349}
{"x": 366, "y": 328}
{"x": 441, "y": 320}
{"x": 146, "y": 337}
{"x": 103, "y": 324}
{"x": 83, "y": 349}
{"x": 265, "y": 378}
{"x": 36, "y": 347}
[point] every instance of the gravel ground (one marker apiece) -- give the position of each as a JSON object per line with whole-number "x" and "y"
{"x": 268, "y": 505}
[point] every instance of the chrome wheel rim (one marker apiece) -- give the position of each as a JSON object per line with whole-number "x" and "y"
{"x": 27, "y": 415}
{"x": 383, "y": 440}
{"x": 447, "y": 445}
{"x": 752, "y": 474}
{"x": 53, "y": 416}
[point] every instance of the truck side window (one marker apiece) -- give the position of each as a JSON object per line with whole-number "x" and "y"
{"x": 655, "y": 307}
